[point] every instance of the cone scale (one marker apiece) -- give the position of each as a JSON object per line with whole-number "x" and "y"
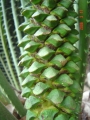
{"x": 50, "y": 78}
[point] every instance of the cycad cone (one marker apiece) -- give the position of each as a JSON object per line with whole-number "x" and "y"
{"x": 50, "y": 61}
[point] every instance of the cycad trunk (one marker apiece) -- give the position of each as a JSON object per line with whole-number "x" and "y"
{"x": 51, "y": 74}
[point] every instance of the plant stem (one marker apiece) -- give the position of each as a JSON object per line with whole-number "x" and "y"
{"x": 7, "y": 56}
{"x": 9, "y": 40}
{"x": 5, "y": 114}
{"x": 11, "y": 95}
{"x": 6, "y": 71}
{"x": 83, "y": 44}
{"x": 19, "y": 37}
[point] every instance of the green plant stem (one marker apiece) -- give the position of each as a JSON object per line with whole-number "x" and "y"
{"x": 9, "y": 40}
{"x": 83, "y": 44}
{"x": 3, "y": 97}
{"x": 5, "y": 114}
{"x": 19, "y": 37}
{"x": 7, "y": 56}
{"x": 11, "y": 95}
{"x": 6, "y": 71}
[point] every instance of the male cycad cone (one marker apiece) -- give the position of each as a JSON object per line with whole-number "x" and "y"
{"x": 50, "y": 60}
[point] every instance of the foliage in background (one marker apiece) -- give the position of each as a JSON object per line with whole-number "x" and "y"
{"x": 9, "y": 50}
{"x": 10, "y": 18}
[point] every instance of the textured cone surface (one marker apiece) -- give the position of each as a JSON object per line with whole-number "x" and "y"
{"x": 50, "y": 74}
